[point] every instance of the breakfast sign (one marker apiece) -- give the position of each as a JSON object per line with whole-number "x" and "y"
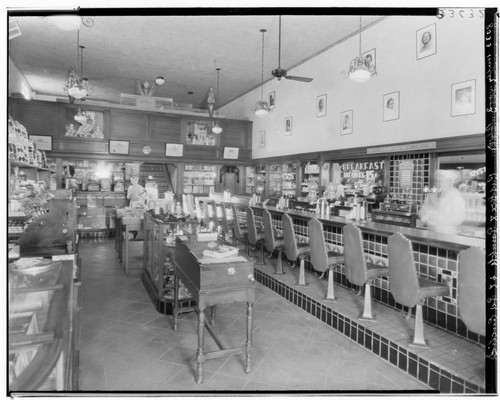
{"x": 366, "y": 171}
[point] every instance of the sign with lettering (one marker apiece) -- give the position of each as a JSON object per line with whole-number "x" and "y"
{"x": 401, "y": 148}
{"x": 406, "y": 174}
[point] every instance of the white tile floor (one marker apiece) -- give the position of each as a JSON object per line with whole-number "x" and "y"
{"x": 126, "y": 345}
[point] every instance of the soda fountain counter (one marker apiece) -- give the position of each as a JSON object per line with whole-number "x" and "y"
{"x": 436, "y": 256}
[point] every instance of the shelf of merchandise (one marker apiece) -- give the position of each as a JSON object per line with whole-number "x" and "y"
{"x": 199, "y": 179}
{"x": 310, "y": 174}
{"x": 288, "y": 180}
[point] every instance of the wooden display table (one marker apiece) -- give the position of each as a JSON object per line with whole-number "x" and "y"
{"x": 220, "y": 281}
{"x": 124, "y": 224}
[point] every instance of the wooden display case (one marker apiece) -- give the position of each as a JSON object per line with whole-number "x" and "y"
{"x": 158, "y": 254}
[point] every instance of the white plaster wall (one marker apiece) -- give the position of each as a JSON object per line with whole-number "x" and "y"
{"x": 424, "y": 86}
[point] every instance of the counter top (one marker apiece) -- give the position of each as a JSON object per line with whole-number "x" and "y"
{"x": 450, "y": 241}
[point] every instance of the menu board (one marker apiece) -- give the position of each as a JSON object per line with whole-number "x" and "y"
{"x": 406, "y": 174}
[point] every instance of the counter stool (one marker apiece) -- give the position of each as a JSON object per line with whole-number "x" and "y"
{"x": 210, "y": 213}
{"x": 471, "y": 294}
{"x": 272, "y": 242}
{"x": 294, "y": 250}
{"x": 255, "y": 236}
{"x": 198, "y": 211}
{"x": 240, "y": 231}
{"x": 360, "y": 271}
{"x": 406, "y": 287}
{"x": 322, "y": 259}
{"x": 227, "y": 220}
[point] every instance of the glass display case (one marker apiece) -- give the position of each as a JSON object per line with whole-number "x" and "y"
{"x": 158, "y": 257}
{"x": 275, "y": 171}
{"x": 255, "y": 180}
{"x": 199, "y": 179}
{"x": 43, "y": 324}
{"x": 310, "y": 179}
{"x": 289, "y": 180}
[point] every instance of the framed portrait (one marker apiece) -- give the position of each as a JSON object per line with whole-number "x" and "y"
{"x": 272, "y": 100}
{"x": 231, "y": 153}
{"x": 174, "y": 149}
{"x": 262, "y": 139}
{"x": 119, "y": 146}
{"x": 346, "y": 122}
{"x": 370, "y": 59}
{"x": 391, "y": 106}
{"x": 42, "y": 142}
{"x": 83, "y": 124}
{"x": 463, "y": 98}
{"x": 288, "y": 126}
{"x": 321, "y": 105}
{"x": 426, "y": 41}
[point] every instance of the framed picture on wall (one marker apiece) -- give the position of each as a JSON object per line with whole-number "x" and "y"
{"x": 370, "y": 58}
{"x": 288, "y": 126}
{"x": 346, "y": 122}
{"x": 42, "y": 142}
{"x": 391, "y": 106}
{"x": 463, "y": 98}
{"x": 426, "y": 41}
{"x": 321, "y": 105}
{"x": 174, "y": 150}
{"x": 119, "y": 146}
{"x": 262, "y": 139}
{"x": 83, "y": 124}
{"x": 272, "y": 100}
{"x": 231, "y": 153}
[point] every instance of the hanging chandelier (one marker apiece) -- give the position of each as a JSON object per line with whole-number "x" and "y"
{"x": 77, "y": 86}
{"x": 217, "y": 128}
{"x": 261, "y": 107}
{"x": 360, "y": 69}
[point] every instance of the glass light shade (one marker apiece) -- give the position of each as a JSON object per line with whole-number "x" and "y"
{"x": 358, "y": 72}
{"x": 217, "y": 128}
{"x": 77, "y": 92}
{"x": 261, "y": 109}
{"x": 160, "y": 80}
{"x": 66, "y": 22}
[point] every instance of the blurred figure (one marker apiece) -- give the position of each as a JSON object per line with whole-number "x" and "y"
{"x": 449, "y": 211}
{"x": 136, "y": 193}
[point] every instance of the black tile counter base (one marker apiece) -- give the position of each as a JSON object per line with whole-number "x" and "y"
{"x": 451, "y": 364}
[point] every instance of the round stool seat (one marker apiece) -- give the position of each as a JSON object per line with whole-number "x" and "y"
{"x": 303, "y": 249}
{"x": 430, "y": 288}
{"x": 334, "y": 258}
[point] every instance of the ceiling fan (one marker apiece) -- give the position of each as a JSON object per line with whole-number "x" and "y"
{"x": 280, "y": 72}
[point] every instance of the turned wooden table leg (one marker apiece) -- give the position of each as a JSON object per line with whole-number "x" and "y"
{"x": 212, "y": 315}
{"x": 176, "y": 300}
{"x": 200, "y": 356}
{"x": 249, "y": 336}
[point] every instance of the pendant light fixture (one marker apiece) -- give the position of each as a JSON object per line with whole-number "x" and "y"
{"x": 77, "y": 86}
{"x": 217, "y": 128}
{"x": 261, "y": 107}
{"x": 361, "y": 69}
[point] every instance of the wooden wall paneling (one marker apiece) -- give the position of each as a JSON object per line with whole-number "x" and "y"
{"x": 235, "y": 133}
{"x": 194, "y": 152}
{"x": 128, "y": 125}
{"x": 38, "y": 118}
{"x": 83, "y": 146}
{"x": 164, "y": 129}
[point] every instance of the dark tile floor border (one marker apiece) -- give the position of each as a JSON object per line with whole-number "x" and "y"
{"x": 425, "y": 371}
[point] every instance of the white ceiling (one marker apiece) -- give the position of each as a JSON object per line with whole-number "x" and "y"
{"x": 184, "y": 49}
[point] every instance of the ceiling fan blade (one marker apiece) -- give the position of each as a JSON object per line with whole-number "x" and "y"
{"x": 299, "y": 78}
